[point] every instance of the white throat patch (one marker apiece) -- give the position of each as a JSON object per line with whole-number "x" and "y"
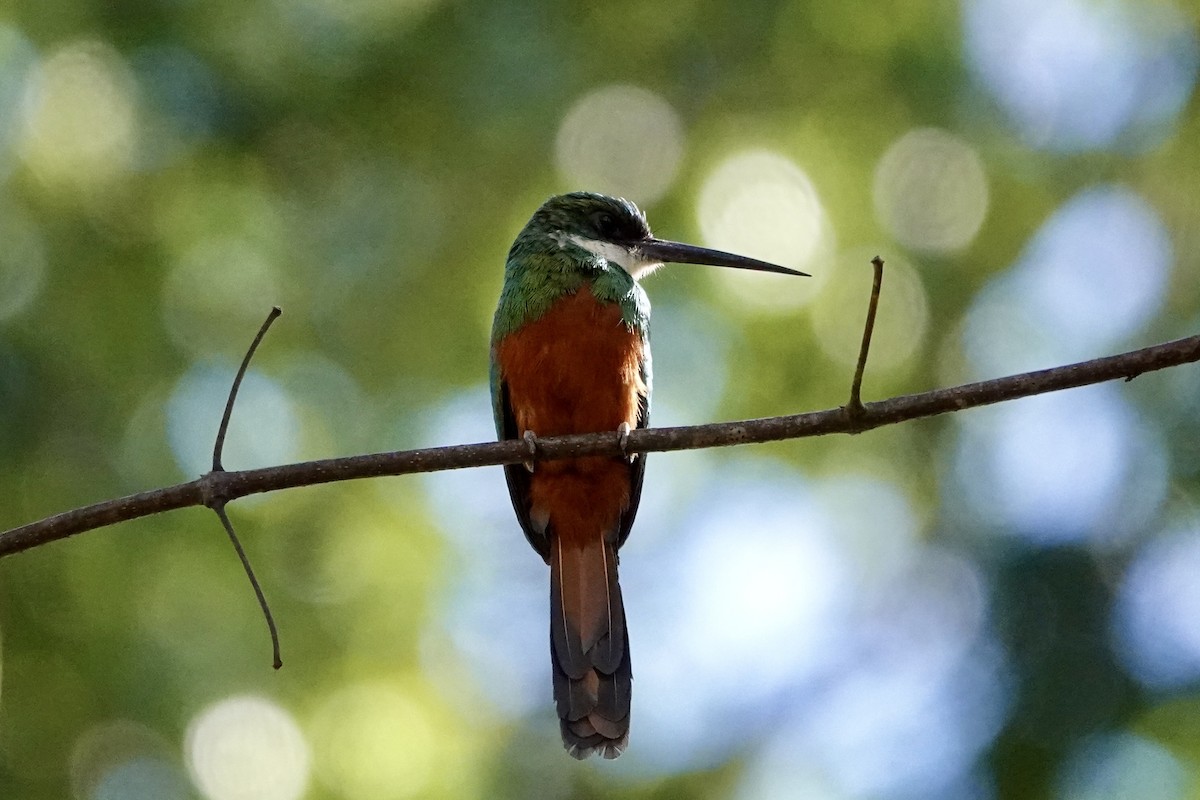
{"x": 625, "y": 258}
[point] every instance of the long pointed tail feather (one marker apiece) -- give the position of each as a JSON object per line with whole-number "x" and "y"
{"x": 589, "y": 649}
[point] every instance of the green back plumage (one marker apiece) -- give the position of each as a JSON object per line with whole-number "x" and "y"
{"x": 543, "y": 265}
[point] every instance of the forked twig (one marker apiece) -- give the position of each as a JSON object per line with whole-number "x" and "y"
{"x": 216, "y": 500}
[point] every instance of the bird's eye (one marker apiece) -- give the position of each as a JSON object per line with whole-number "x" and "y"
{"x": 605, "y": 223}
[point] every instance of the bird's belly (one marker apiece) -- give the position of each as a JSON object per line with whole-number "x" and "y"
{"x": 577, "y": 369}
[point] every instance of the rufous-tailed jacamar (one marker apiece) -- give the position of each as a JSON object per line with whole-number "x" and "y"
{"x": 571, "y": 354}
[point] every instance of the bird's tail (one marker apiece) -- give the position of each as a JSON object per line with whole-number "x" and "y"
{"x": 589, "y": 648}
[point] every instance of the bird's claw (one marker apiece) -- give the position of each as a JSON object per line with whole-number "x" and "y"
{"x": 531, "y": 443}
{"x": 623, "y": 441}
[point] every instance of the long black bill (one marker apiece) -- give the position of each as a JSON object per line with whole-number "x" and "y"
{"x": 679, "y": 253}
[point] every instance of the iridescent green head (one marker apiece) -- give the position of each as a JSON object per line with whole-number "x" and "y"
{"x": 604, "y": 242}
{"x": 583, "y": 227}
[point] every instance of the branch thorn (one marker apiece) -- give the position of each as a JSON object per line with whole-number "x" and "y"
{"x": 854, "y": 407}
{"x": 237, "y": 384}
{"x": 219, "y": 508}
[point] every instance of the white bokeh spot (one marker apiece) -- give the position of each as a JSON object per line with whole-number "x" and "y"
{"x": 931, "y": 191}
{"x": 621, "y": 140}
{"x": 760, "y": 204}
{"x": 247, "y": 748}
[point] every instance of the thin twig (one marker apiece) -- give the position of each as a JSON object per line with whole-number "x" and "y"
{"x": 855, "y": 407}
{"x": 214, "y": 496}
{"x": 231, "y": 485}
{"x": 237, "y": 383}
{"x": 258, "y": 592}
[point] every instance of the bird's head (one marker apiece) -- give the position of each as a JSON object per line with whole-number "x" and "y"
{"x": 586, "y": 226}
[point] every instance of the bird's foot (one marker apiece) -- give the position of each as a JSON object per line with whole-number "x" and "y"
{"x": 623, "y": 441}
{"x": 531, "y": 443}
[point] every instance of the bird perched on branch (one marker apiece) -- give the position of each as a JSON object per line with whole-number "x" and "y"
{"x": 570, "y": 353}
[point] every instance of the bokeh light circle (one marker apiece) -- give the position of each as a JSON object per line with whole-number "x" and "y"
{"x": 1157, "y": 622}
{"x": 264, "y": 431}
{"x": 620, "y": 140}
{"x": 759, "y": 203}
{"x": 1062, "y": 468}
{"x": 124, "y": 760}
{"x": 742, "y": 647}
{"x": 931, "y": 191}
{"x": 795, "y": 591}
{"x": 1095, "y": 273}
{"x": 374, "y": 741}
{"x": 216, "y": 292}
{"x": 1076, "y": 75}
{"x": 247, "y": 748}
{"x": 840, "y": 310}
{"x": 491, "y": 614}
{"x": 919, "y": 691}
{"x": 1098, "y": 268}
{"x": 80, "y": 115}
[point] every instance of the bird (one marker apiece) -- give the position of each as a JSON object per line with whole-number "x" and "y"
{"x": 570, "y": 354}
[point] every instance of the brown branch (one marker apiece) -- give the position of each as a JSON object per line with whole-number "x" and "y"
{"x": 231, "y": 485}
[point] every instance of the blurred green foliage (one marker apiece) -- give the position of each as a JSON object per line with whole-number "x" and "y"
{"x": 365, "y": 165}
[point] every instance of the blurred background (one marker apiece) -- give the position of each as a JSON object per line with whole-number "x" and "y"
{"x": 1001, "y": 603}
